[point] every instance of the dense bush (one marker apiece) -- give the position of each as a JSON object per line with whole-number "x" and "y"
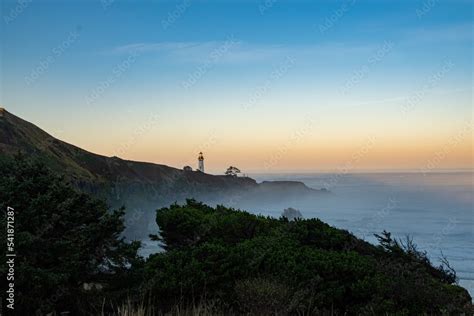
{"x": 259, "y": 265}
{"x": 68, "y": 245}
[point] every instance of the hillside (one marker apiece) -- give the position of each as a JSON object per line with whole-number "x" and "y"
{"x": 17, "y": 135}
{"x": 140, "y": 186}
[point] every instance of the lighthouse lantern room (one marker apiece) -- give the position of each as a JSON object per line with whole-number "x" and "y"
{"x": 201, "y": 162}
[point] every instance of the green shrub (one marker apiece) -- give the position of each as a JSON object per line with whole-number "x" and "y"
{"x": 63, "y": 239}
{"x": 261, "y": 265}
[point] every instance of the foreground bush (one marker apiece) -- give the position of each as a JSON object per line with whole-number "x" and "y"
{"x": 258, "y": 265}
{"x": 68, "y": 245}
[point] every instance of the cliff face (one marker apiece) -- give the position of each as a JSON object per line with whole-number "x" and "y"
{"x": 139, "y": 186}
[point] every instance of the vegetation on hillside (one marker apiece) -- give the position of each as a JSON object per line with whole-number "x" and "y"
{"x": 67, "y": 244}
{"x": 71, "y": 257}
{"x": 260, "y": 265}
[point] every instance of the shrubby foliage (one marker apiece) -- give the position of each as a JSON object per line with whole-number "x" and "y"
{"x": 63, "y": 240}
{"x": 260, "y": 265}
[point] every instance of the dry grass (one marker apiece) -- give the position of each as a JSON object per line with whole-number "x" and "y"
{"x": 202, "y": 308}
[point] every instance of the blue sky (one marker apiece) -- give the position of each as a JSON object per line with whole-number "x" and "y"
{"x": 250, "y": 72}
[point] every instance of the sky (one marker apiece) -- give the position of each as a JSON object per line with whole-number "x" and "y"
{"x": 266, "y": 85}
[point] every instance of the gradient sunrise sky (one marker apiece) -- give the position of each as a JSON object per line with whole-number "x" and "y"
{"x": 268, "y": 86}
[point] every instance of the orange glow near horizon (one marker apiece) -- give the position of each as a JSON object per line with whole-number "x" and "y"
{"x": 271, "y": 138}
{"x": 307, "y": 153}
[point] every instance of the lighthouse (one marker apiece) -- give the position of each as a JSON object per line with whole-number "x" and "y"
{"x": 201, "y": 162}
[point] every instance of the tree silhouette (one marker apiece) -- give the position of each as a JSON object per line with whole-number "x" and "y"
{"x": 232, "y": 171}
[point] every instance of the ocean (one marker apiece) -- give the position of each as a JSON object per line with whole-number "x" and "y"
{"x": 435, "y": 209}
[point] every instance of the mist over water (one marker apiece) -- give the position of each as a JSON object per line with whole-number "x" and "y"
{"x": 436, "y": 209}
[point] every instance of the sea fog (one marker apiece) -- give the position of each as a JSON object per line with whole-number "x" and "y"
{"x": 435, "y": 209}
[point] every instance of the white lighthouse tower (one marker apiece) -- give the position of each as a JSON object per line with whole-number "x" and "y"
{"x": 201, "y": 162}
